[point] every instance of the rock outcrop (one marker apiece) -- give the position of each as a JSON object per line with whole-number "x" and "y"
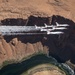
{"x": 45, "y": 8}
{"x": 16, "y": 50}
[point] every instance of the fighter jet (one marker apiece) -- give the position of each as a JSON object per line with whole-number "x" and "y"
{"x": 47, "y": 25}
{"x": 39, "y": 27}
{"x": 61, "y": 24}
{"x": 46, "y": 29}
{"x": 57, "y": 32}
{"x": 59, "y": 28}
{"x": 53, "y": 28}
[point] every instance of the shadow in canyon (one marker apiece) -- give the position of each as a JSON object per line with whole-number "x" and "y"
{"x": 61, "y": 47}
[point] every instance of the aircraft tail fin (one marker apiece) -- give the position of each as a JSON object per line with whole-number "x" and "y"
{"x": 36, "y": 26}
{"x": 57, "y": 24}
{"x": 45, "y": 24}
{"x": 48, "y": 32}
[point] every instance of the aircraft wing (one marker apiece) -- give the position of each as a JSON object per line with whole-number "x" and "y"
{"x": 60, "y": 28}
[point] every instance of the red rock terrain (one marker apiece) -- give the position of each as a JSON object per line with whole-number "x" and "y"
{"x": 25, "y": 8}
{"x": 18, "y": 47}
{"x": 16, "y": 50}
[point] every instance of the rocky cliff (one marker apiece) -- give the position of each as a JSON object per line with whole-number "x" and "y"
{"x": 19, "y": 47}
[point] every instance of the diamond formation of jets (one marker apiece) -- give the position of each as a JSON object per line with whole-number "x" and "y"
{"x": 50, "y": 28}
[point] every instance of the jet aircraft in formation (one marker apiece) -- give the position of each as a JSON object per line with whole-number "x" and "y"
{"x": 50, "y": 28}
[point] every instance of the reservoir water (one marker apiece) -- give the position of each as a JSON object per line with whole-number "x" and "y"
{"x": 19, "y": 68}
